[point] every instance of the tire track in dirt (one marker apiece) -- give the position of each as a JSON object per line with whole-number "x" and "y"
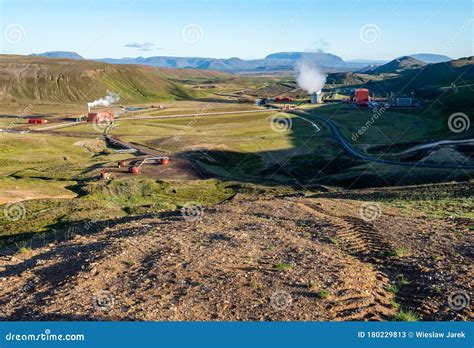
{"x": 360, "y": 296}
{"x": 228, "y": 265}
{"x": 410, "y": 282}
{"x": 361, "y": 238}
{"x": 358, "y": 237}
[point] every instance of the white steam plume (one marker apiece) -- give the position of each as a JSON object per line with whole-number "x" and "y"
{"x": 108, "y": 100}
{"x": 309, "y": 77}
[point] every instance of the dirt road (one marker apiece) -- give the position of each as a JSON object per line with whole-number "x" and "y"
{"x": 353, "y": 152}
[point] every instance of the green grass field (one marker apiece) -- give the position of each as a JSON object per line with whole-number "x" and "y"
{"x": 52, "y": 174}
{"x": 396, "y": 126}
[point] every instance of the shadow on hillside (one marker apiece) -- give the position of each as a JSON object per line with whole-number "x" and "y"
{"x": 315, "y": 158}
{"x": 466, "y": 191}
{"x": 64, "y": 261}
{"x": 60, "y": 232}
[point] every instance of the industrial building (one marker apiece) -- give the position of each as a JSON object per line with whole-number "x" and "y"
{"x": 261, "y": 101}
{"x": 316, "y": 98}
{"x": 361, "y": 97}
{"x": 99, "y": 117}
{"x": 403, "y": 102}
{"x": 37, "y": 120}
{"x": 406, "y": 101}
{"x": 283, "y": 99}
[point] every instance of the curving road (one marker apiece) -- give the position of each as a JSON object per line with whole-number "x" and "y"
{"x": 353, "y": 152}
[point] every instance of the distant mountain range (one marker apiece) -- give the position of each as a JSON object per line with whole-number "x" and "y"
{"x": 424, "y": 57}
{"x": 431, "y": 58}
{"x": 58, "y": 54}
{"x": 276, "y": 62}
{"x": 26, "y": 78}
{"x": 368, "y": 61}
{"x": 280, "y": 62}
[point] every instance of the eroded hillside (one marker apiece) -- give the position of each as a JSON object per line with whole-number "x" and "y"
{"x": 65, "y": 80}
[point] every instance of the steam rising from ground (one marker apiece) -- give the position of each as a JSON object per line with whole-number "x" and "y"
{"x": 309, "y": 77}
{"x": 108, "y": 100}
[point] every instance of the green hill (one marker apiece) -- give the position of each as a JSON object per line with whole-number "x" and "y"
{"x": 429, "y": 80}
{"x": 65, "y": 80}
{"x": 459, "y": 71}
{"x": 399, "y": 65}
{"x": 350, "y": 78}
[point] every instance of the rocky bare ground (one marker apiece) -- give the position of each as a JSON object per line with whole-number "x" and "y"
{"x": 265, "y": 258}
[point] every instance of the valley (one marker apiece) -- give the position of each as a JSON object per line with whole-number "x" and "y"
{"x": 263, "y": 211}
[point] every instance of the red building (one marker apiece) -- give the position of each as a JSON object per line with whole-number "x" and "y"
{"x": 283, "y": 99}
{"x": 362, "y": 97}
{"x": 100, "y": 117}
{"x": 37, "y": 120}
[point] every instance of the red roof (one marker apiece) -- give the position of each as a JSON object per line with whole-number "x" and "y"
{"x": 100, "y": 116}
{"x": 37, "y": 120}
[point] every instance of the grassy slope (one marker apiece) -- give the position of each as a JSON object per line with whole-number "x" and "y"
{"x": 242, "y": 147}
{"x": 99, "y": 201}
{"x": 38, "y": 155}
{"x": 427, "y": 78}
{"x": 245, "y": 147}
{"x": 42, "y": 166}
{"x": 394, "y": 131}
{"x": 37, "y": 79}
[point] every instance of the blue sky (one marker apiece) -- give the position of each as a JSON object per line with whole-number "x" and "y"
{"x": 375, "y": 29}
